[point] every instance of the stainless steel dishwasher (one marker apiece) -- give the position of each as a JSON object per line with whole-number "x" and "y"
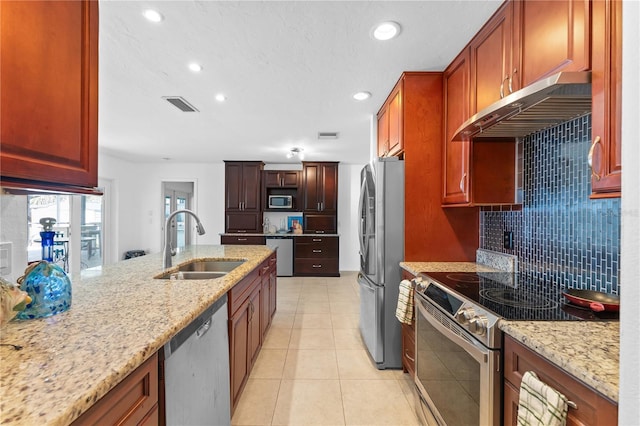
{"x": 196, "y": 371}
{"x": 284, "y": 265}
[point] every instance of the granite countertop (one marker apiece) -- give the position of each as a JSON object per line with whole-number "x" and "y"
{"x": 588, "y": 350}
{"x": 120, "y": 316}
{"x": 274, "y": 234}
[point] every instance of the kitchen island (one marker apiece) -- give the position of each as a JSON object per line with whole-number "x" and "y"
{"x": 119, "y": 317}
{"x": 587, "y": 350}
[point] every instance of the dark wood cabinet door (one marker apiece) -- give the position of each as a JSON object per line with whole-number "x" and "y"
{"x": 383, "y": 131}
{"x": 320, "y": 182}
{"x": 265, "y": 299}
{"x": 238, "y": 350}
{"x": 395, "y": 122}
{"x": 49, "y": 97}
{"x": 311, "y": 181}
{"x": 456, "y": 153}
{"x": 254, "y": 340}
{"x": 273, "y": 288}
{"x": 606, "y": 90}
{"x": 243, "y": 222}
{"x": 493, "y": 60}
{"x": 251, "y": 186}
{"x": 329, "y": 188}
{"x": 281, "y": 178}
{"x": 233, "y": 187}
{"x": 555, "y": 37}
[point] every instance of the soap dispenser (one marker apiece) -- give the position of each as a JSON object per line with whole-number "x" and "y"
{"x": 266, "y": 225}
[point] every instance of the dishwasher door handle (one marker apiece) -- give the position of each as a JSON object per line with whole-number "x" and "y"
{"x": 203, "y": 328}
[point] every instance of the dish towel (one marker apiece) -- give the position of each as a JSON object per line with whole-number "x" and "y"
{"x": 404, "y": 311}
{"x": 540, "y": 404}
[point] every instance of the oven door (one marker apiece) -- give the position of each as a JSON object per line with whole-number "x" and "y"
{"x": 457, "y": 377}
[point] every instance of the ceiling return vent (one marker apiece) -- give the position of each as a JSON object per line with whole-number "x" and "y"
{"x": 328, "y": 135}
{"x": 180, "y": 103}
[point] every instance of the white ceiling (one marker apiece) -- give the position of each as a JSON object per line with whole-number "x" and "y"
{"x": 289, "y": 70}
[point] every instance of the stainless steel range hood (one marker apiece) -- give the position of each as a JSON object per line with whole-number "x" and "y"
{"x": 543, "y": 104}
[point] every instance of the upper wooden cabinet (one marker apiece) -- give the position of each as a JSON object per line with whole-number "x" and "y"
{"x": 390, "y": 134}
{"x": 320, "y": 182}
{"x": 456, "y": 153}
{"x": 242, "y": 196}
{"x": 554, "y": 37}
{"x": 281, "y": 178}
{"x": 606, "y": 88}
{"x": 49, "y": 97}
{"x": 495, "y": 58}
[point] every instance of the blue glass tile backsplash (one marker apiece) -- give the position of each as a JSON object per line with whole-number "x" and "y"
{"x": 560, "y": 235}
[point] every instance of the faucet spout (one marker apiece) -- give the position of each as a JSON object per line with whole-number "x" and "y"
{"x": 167, "y": 251}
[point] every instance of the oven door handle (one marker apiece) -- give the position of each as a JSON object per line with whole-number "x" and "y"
{"x": 474, "y": 349}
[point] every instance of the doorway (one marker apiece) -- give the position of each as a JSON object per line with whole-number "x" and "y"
{"x": 177, "y": 196}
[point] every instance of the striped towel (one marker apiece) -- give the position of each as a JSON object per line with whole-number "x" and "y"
{"x": 540, "y": 404}
{"x": 404, "y": 311}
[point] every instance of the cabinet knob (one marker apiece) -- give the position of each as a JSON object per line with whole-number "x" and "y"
{"x": 596, "y": 141}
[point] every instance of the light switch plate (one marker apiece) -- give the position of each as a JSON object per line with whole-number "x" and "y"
{"x": 5, "y": 258}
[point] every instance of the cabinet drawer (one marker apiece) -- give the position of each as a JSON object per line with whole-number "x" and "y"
{"x": 317, "y": 250}
{"x": 316, "y": 267}
{"x": 239, "y": 293}
{"x": 240, "y": 239}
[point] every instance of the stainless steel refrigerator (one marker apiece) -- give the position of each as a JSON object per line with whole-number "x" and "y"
{"x": 381, "y": 235}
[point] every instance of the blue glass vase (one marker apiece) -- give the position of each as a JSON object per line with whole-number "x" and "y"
{"x": 49, "y": 288}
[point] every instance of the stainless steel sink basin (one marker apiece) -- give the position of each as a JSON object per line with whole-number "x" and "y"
{"x": 201, "y": 270}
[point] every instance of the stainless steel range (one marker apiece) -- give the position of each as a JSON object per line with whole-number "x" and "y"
{"x": 458, "y": 342}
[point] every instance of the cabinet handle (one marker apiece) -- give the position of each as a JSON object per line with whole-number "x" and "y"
{"x": 316, "y": 240}
{"x": 319, "y": 232}
{"x": 265, "y": 268}
{"x": 406, "y": 353}
{"x": 322, "y": 206}
{"x": 572, "y": 405}
{"x": 515, "y": 70}
{"x": 317, "y": 251}
{"x": 317, "y": 266}
{"x": 462, "y": 181}
{"x": 596, "y": 141}
{"x": 502, "y": 87}
{"x": 242, "y": 239}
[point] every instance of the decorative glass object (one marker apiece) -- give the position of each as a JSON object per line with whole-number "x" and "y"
{"x": 47, "y": 245}
{"x": 49, "y": 288}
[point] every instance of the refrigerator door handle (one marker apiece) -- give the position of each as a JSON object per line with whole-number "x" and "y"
{"x": 361, "y": 206}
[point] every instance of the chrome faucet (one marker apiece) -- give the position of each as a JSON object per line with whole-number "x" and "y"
{"x": 168, "y": 251}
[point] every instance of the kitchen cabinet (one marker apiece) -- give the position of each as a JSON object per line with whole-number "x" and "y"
{"x": 554, "y": 37}
{"x": 316, "y": 256}
{"x": 320, "y": 198}
{"x": 592, "y": 408}
{"x": 49, "y": 132}
{"x": 242, "y": 239}
{"x": 243, "y": 210}
{"x": 251, "y": 304}
{"x": 409, "y": 339}
{"x": 281, "y": 182}
{"x": 606, "y": 88}
{"x": 456, "y": 153}
{"x": 495, "y": 58}
{"x": 132, "y": 401}
{"x": 390, "y": 136}
{"x": 281, "y": 178}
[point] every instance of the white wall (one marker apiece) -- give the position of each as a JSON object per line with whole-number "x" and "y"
{"x": 13, "y": 229}
{"x": 348, "y": 196}
{"x": 629, "y": 409}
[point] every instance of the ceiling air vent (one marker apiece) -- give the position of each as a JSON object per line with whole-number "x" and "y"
{"x": 327, "y": 135}
{"x": 180, "y": 103}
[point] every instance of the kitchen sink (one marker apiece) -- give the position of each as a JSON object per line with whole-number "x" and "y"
{"x": 201, "y": 270}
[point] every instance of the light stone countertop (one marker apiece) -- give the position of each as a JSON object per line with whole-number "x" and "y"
{"x": 274, "y": 234}
{"x": 588, "y": 350}
{"x": 120, "y": 315}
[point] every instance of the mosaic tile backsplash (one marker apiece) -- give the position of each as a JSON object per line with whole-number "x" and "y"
{"x": 560, "y": 235}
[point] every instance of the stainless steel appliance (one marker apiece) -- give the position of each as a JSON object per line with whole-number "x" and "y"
{"x": 284, "y": 245}
{"x": 458, "y": 342}
{"x": 280, "y": 201}
{"x": 196, "y": 371}
{"x": 381, "y": 235}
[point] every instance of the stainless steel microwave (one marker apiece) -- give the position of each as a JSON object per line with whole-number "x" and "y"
{"x": 280, "y": 202}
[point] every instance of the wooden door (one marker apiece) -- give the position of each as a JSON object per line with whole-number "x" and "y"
{"x": 273, "y": 290}
{"x": 271, "y": 179}
{"x": 456, "y": 153}
{"x": 251, "y": 186}
{"x": 289, "y": 178}
{"x": 606, "y": 91}
{"x": 49, "y": 96}
{"x": 254, "y": 340}
{"x": 555, "y": 37}
{"x": 238, "y": 350}
{"x": 329, "y": 188}
{"x": 233, "y": 186}
{"x": 493, "y": 71}
{"x": 395, "y": 122}
{"x": 383, "y": 131}
{"x": 265, "y": 300}
{"x": 312, "y": 175}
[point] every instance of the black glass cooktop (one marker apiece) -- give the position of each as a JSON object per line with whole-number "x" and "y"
{"x": 516, "y": 296}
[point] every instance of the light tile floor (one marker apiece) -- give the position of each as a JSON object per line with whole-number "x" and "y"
{"x": 314, "y": 369}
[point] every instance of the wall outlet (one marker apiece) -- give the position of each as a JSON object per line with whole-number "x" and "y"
{"x": 5, "y": 258}
{"x": 508, "y": 240}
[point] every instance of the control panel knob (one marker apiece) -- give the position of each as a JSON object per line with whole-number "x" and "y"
{"x": 478, "y": 325}
{"x": 465, "y": 315}
{"x": 420, "y": 285}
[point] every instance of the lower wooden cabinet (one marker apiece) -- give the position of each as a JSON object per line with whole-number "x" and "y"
{"x": 316, "y": 256}
{"x": 409, "y": 339}
{"x": 243, "y": 239}
{"x": 251, "y": 306}
{"x": 132, "y": 402}
{"x": 592, "y": 408}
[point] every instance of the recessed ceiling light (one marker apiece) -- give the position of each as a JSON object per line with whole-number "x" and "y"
{"x": 220, "y": 97}
{"x": 195, "y": 67}
{"x": 153, "y": 15}
{"x": 386, "y": 30}
{"x": 361, "y": 96}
